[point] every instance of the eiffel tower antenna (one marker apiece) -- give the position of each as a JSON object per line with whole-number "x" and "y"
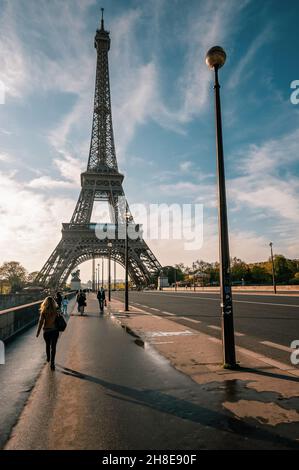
{"x": 102, "y": 20}
{"x": 100, "y": 182}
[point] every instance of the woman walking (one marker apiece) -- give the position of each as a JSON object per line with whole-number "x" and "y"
{"x": 47, "y": 321}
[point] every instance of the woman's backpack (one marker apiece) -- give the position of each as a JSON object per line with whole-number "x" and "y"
{"x": 60, "y": 322}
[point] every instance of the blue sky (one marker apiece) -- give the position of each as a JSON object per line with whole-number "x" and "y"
{"x": 162, "y": 100}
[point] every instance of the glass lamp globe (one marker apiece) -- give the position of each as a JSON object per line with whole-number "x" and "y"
{"x": 215, "y": 57}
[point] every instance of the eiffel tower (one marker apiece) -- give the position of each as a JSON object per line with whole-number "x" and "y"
{"x": 100, "y": 182}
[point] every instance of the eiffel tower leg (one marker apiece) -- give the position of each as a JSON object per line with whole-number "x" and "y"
{"x": 47, "y": 276}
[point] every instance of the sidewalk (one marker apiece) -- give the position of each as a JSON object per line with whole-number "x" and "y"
{"x": 264, "y": 392}
{"x": 109, "y": 393}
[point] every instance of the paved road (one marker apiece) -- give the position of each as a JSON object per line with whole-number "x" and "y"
{"x": 258, "y": 318}
{"x": 108, "y": 393}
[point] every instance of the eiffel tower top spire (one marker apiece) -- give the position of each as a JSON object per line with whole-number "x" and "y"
{"x": 102, "y": 157}
{"x": 102, "y": 20}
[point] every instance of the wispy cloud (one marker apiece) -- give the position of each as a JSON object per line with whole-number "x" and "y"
{"x": 32, "y": 220}
{"x": 258, "y": 42}
{"x": 213, "y": 23}
{"x": 48, "y": 183}
{"x": 264, "y": 182}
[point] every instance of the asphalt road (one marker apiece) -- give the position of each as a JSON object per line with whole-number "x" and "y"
{"x": 258, "y": 319}
{"x": 109, "y": 393}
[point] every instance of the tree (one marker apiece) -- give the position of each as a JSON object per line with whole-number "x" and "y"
{"x": 259, "y": 274}
{"x": 14, "y": 273}
{"x": 283, "y": 271}
{"x": 239, "y": 270}
{"x": 173, "y": 273}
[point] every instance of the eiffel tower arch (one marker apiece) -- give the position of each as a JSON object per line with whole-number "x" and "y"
{"x": 101, "y": 181}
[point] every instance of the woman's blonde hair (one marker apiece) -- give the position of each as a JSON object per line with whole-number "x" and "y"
{"x": 48, "y": 306}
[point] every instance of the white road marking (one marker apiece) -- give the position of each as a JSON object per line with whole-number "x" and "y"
{"x": 151, "y": 315}
{"x": 235, "y": 301}
{"x": 265, "y": 303}
{"x": 153, "y": 334}
{"x": 267, "y": 360}
{"x": 239, "y": 334}
{"x": 168, "y": 313}
{"x": 189, "y": 319}
{"x": 215, "y": 340}
{"x": 277, "y": 346}
{"x": 162, "y": 342}
{"x": 157, "y": 309}
{"x": 214, "y": 327}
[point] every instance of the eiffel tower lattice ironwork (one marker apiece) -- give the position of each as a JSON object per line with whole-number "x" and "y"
{"x": 100, "y": 182}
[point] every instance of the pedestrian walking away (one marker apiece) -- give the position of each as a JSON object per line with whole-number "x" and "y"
{"x": 58, "y": 299}
{"x": 47, "y": 321}
{"x": 81, "y": 300}
{"x": 102, "y": 299}
{"x": 65, "y": 304}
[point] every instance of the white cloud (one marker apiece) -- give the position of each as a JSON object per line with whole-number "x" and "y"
{"x": 261, "y": 184}
{"x": 30, "y": 221}
{"x": 186, "y": 166}
{"x": 212, "y": 25}
{"x": 69, "y": 167}
{"x": 46, "y": 182}
{"x": 14, "y": 70}
{"x": 4, "y": 157}
{"x": 259, "y": 41}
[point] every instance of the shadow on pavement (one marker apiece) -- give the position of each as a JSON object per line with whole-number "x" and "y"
{"x": 194, "y": 412}
{"x": 269, "y": 374}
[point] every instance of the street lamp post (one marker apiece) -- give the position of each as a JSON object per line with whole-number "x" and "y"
{"x": 93, "y": 274}
{"x": 102, "y": 271}
{"x": 193, "y": 265}
{"x": 215, "y": 59}
{"x": 273, "y": 267}
{"x": 98, "y": 281}
{"x": 175, "y": 281}
{"x": 128, "y": 217}
{"x": 109, "y": 271}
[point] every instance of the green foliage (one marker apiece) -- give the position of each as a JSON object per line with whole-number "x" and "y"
{"x": 13, "y": 273}
{"x": 239, "y": 270}
{"x": 174, "y": 273}
{"x": 286, "y": 271}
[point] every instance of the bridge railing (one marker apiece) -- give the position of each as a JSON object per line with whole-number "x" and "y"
{"x": 15, "y": 320}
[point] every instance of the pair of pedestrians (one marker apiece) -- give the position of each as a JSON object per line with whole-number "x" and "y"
{"x": 62, "y": 302}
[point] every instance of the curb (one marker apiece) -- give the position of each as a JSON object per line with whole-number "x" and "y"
{"x": 138, "y": 339}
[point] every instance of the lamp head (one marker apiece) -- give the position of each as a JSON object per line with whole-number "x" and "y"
{"x": 215, "y": 57}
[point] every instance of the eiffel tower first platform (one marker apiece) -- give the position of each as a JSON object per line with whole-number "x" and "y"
{"x": 100, "y": 182}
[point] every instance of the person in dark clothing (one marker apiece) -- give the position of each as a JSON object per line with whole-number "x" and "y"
{"x": 48, "y": 314}
{"x": 101, "y": 298}
{"x": 81, "y": 300}
{"x": 58, "y": 300}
